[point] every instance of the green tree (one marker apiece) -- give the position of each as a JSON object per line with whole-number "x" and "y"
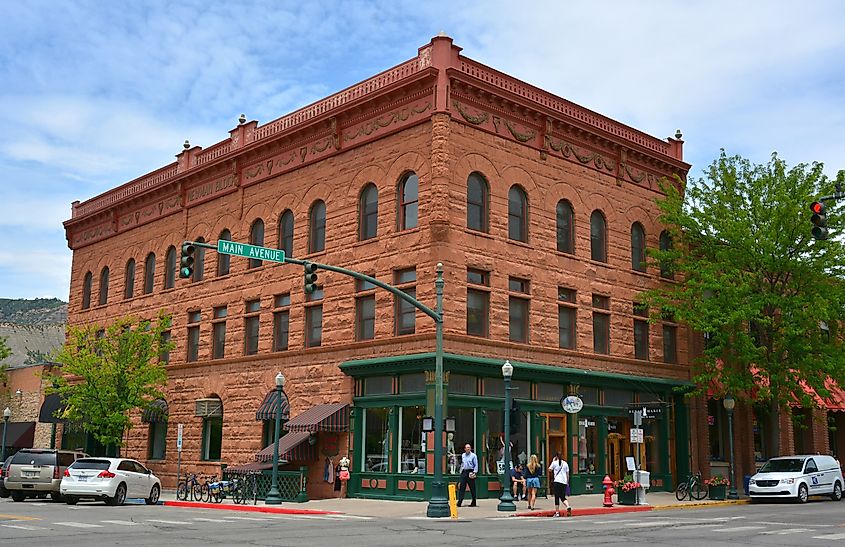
{"x": 108, "y": 372}
{"x": 5, "y": 351}
{"x": 751, "y": 278}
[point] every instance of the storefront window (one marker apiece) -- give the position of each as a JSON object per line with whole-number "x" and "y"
{"x": 521, "y": 389}
{"x": 590, "y": 395}
{"x": 653, "y": 442}
{"x": 412, "y": 440}
{"x": 760, "y": 427}
{"x": 377, "y": 440}
{"x": 412, "y": 383}
{"x": 494, "y": 442}
{"x": 549, "y": 392}
{"x": 588, "y": 444}
{"x": 378, "y": 385}
{"x": 617, "y": 397}
{"x": 464, "y": 433}
{"x": 462, "y": 384}
{"x": 494, "y": 387}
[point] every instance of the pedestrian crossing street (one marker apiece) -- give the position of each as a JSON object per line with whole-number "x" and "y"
{"x": 40, "y": 525}
{"x": 724, "y": 526}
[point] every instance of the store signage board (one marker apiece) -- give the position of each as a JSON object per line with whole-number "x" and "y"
{"x": 649, "y": 411}
{"x": 571, "y": 404}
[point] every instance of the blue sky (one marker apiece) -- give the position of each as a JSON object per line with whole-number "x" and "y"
{"x": 94, "y": 94}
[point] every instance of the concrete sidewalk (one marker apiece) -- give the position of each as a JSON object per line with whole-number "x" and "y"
{"x": 582, "y": 505}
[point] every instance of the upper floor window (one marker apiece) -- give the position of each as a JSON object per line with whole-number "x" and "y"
{"x": 518, "y": 305}
{"x": 408, "y": 200}
{"x": 641, "y": 349}
{"x": 199, "y": 261}
{"x": 129, "y": 280}
{"x": 252, "y": 310}
{"x": 218, "y": 333}
{"x": 86, "y": 290}
{"x": 670, "y": 339}
{"x": 598, "y": 237}
{"x": 286, "y": 232}
{"x": 666, "y": 265}
{"x": 601, "y": 324}
{"x": 365, "y": 310}
{"x": 477, "y": 203}
{"x": 224, "y": 260}
{"x": 193, "y": 344}
{"x": 314, "y": 319}
{"x": 104, "y": 286}
{"x": 565, "y": 227}
{"x": 170, "y": 267}
{"x": 478, "y": 302}
{"x": 149, "y": 273}
{"x": 517, "y": 214}
{"x": 566, "y": 315}
{"x": 368, "y": 211}
{"x": 256, "y": 237}
{"x": 317, "y": 227}
{"x": 638, "y": 247}
{"x": 405, "y": 313}
{"x": 281, "y": 321}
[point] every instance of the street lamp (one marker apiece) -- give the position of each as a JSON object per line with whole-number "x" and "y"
{"x": 273, "y": 496}
{"x": 730, "y": 403}
{"x": 506, "y": 500}
{"x": 438, "y": 504}
{"x": 6, "y": 414}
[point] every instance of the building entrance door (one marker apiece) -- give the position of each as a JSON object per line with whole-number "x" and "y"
{"x": 618, "y": 446}
{"x": 555, "y": 436}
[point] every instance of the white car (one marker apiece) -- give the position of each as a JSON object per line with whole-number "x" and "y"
{"x": 798, "y": 477}
{"x": 109, "y": 479}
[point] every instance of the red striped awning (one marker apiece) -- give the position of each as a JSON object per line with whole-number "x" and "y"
{"x": 330, "y": 417}
{"x": 267, "y": 410}
{"x": 247, "y": 468}
{"x": 292, "y": 446}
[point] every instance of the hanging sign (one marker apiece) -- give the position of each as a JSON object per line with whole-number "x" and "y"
{"x": 649, "y": 411}
{"x": 571, "y": 404}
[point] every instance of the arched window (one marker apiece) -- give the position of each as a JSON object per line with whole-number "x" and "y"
{"x": 256, "y": 237}
{"x": 104, "y": 287}
{"x": 129, "y": 280}
{"x": 638, "y": 247}
{"x": 149, "y": 273}
{"x": 317, "y": 227}
{"x": 286, "y": 232}
{"x": 86, "y": 290}
{"x": 598, "y": 237}
{"x": 368, "y": 213}
{"x": 223, "y": 260}
{"x": 199, "y": 261}
{"x": 477, "y": 203}
{"x": 565, "y": 227}
{"x": 517, "y": 214}
{"x": 408, "y": 200}
{"x": 170, "y": 267}
{"x": 665, "y": 264}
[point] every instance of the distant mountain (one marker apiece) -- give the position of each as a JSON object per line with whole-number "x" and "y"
{"x": 39, "y": 311}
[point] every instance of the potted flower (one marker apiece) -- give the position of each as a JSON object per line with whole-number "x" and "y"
{"x": 626, "y": 491}
{"x": 717, "y": 486}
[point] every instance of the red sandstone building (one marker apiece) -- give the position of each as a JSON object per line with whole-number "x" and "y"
{"x": 540, "y": 211}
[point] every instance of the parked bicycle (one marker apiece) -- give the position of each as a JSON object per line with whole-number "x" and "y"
{"x": 245, "y": 489}
{"x": 693, "y": 487}
{"x": 189, "y": 486}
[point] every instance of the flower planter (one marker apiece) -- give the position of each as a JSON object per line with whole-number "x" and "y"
{"x": 717, "y": 492}
{"x": 626, "y": 498}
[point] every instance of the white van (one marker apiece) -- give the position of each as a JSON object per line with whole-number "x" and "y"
{"x": 798, "y": 477}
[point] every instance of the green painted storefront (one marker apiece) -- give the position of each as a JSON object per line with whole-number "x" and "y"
{"x": 392, "y": 458}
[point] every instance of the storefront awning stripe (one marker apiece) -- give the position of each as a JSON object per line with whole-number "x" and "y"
{"x": 252, "y": 467}
{"x": 332, "y": 418}
{"x": 51, "y": 406}
{"x": 268, "y": 407}
{"x": 292, "y": 446}
{"x": 20, "y": 434}
{"x": 157, "y": 412}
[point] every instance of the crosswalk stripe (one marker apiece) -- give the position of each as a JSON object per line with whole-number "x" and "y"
{"x": 201, "y": 519}
{"x": 22, "y": 527}
{"x": 121, "y": 522}
{"x": 167, "y": 521}
{"x": 79, "y": 524}
{"x": 830, "y": 536}
{"x": 787, "y": 531}
{"x": 353, "y": 517}
{"x": 248, "y": 518}
{"x": 738, "y": 529}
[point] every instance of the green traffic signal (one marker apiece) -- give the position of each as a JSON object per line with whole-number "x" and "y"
{"x": 186, "y": 262}
{"x": 310, "y": 278}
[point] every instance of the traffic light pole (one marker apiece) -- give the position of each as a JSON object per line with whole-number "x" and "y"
{"x": 438, "y": 505}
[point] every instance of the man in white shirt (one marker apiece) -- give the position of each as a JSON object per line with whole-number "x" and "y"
{"x": 560, "y": 478}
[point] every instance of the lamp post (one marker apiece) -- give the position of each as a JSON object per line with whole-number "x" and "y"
{"x": 438, "y": 504}
{"x": 273, "y": 496}
{"x": 506, "y": 500}
{"x": 6, "y": 414}
{"x": 730, "y": 403}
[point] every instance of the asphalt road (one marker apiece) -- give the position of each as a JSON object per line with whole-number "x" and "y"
{"x": 94, "y": 524}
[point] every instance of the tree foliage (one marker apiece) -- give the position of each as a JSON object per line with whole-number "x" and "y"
{"x": 108, "y": 372}
{"x": 751, "y": 278}
{"x": 5, "y": 351}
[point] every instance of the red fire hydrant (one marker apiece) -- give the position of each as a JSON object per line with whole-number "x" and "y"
{"x": 608, "y": 491}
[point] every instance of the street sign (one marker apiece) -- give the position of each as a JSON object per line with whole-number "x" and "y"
{"x": 250, "y": 251}
{"x": 636, "y": 435}
{"x": 179, "y": 437}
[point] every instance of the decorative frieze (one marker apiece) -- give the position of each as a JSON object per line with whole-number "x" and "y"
{"x": 147, "y": 213}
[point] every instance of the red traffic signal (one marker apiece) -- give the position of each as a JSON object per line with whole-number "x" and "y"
{"x": 819, "y": 220}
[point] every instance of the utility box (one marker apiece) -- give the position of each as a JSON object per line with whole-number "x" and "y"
{"x": 643, "y": 477}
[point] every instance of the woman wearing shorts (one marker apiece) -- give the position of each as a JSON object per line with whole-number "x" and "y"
{"x": 532, "y": 479}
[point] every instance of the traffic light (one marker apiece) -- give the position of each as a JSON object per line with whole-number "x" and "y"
{"x": 310, "y": 278}
{"x": 186, "y": 262}
{"x": 819, "y": 220}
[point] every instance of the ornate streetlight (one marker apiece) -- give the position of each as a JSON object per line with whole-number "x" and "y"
{"x": 730, "y": 403}
{"x": 273, "y": 496}
{"x": 506, "y": 500}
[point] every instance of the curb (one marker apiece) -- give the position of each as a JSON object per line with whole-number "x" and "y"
{"x": 249, "y": 508}
{"x": 699, "y": 505}
{"x": 589, "y": 511}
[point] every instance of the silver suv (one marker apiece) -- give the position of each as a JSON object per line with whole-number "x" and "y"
{"x": 38, "y": 471}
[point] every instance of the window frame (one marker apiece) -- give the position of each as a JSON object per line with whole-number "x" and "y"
{"x": 256, "y": 237}
{"x": 481, "y": 289}
{"x": 192, "y": 347}
{"x": 218, "y": 332}
{"x": 281, "y": 308}
{"x": 149, "y": 273}
{"x": 170, "y": 267}
{"x": 252, "y": 320}
{"x": 565, "y": 226}
{"x": 517, "y": 214}
{"x": 638, "y": 248}
{"x": 478, "y": 199}
{"x": 601, "y": 313}
{"x": 598, "y": 236}
{"x": 568, "y": 306}
{"x": 406, "y": 203}
{"x": 103, "y": 294}
{"x": 642, "y": 346}
{"x": 129, "y": 279}
{"x": 666, "y": 245}
{"x": 224, "y": 261}
{"x": 401, "y": 308}
{"x": 317, "y": 227}
{"x": 519, "y": 302}
{"x": 87, "y": 282}
{"x": 286, "y": 231}
{"x": 199, "y": 261}
{"x": 368, "y": 212}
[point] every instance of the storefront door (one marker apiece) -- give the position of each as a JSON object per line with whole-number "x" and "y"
{"x": 556, "y": 436}
{"x": 618, "y": 446}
